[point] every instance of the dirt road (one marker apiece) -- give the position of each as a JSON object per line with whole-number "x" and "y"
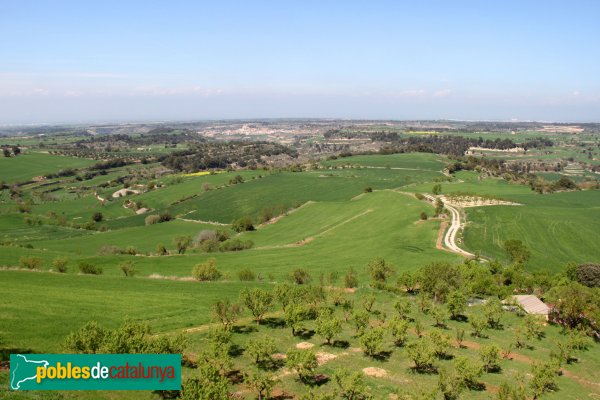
{"x": 455, "y": 225}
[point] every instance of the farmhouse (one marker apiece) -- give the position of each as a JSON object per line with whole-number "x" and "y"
{"x": 532, "y": 305}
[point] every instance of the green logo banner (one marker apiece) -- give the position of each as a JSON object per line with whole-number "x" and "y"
{"x": 95, "y": 371}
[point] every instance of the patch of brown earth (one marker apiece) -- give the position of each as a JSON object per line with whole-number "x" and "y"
{"x": 376, "y": 372}
{"x": 323, "y": 357}
{"x": 304, "y": 345}
{"x": 439, "y": 244}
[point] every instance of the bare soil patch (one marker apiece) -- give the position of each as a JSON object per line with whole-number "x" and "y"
{"x": 304, "y": 345}
{"x": 376, "y": 372}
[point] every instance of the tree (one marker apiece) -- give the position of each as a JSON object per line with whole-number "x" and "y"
{"x": 209, "y": 384}
{"x": 260, "y": 349}
{"x": 450, "y": 384}
{"x": 534, "y": 326}
{"x": 439, "y": 207}
{"x": 87, "y": 340}
{"x": 258, "y": 301}
{"x": 423, "y": 216}
{"x": 6, "y": 152}
{"x": 438, "y": 279}
{"x": 403, "y": 308}
{"x": 379, "y": 270}
{"x": 437, "y": 189}
{"x": 16, "y": 150}
{"x": 261, "y": 382}
{"x": 422, "y": 354}
{"x": 490, "y": 357}
{"x": 128, "y": 268}
{"x": 371, "y": 341}
{"x": 517, "y": 251}
{"x": 226, "y": 312}
{"x": 478, "y": 323}
{"x": 544, "y": 378}
{"x": 571, "y": 303}
{"x": 360, "y": 320}
{"x": 468, "y": 371}
{"x": 206, "y": 271}
{"x": 440, "y": 316}
{"x": 408, "y": 281}
{"x": 304, "y": 362}
{"x": 460, "y": 337}
{"x": 589, "y": 274}
{"x": 368, "y": 302}
{"x": 294, "y": 315}
{"x": 440, "y": 343}
{"x": 456, "y": 303}
{"x": 182, "y": 242}
{"x": 351, "y": 385}
{"x": 398, "y": 327}
{"x": 327, "y": 325}
{"x": 492, "y": 310}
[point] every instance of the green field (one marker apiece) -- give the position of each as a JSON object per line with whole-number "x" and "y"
{"x": 337, "y": 217}
{"x": 29, "y": 165}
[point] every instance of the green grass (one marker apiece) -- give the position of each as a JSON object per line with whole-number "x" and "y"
{"x": 26, "y": 166}
{"x": 40, "y": 309}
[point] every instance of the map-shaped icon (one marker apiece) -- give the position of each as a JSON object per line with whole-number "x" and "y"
{"x": 25, "y": 370}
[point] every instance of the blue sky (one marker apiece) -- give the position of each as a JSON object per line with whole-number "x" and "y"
{"x": 81, "y": 61}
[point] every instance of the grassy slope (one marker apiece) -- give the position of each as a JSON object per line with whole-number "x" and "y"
{"x": 558, "y": 227}
{"x": 26, "y": 166}
{"x": 40, "y": 309}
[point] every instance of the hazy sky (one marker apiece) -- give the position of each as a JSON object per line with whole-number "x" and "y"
{"x": 81, "y": 61}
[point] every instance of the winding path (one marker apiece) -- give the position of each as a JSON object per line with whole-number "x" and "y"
{"x": 455, "y": 225}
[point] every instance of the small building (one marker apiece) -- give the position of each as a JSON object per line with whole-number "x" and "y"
{"x": 532, "y": 305}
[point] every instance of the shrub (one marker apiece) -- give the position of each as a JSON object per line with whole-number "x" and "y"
{"x": 423, "y": 216}
{"x": 206, "y": 271}
{"x": 209, "y": 246}
{"x": 368, "y": 189}
{"x": 350, "y": 279}
{"x": 128, "y": 268}
{"x": 97, "y": 217}
{"x": 243, "y": 224}
{"x": 419, "y": 196}
{"x": 182, "y": 242}
{"x": 589, "y": 274}
{"x": 90, "y": 269}
{"x": 59, "y": 264}
{"x": 109, "y": 249}
{"x": 205, "y": 235}
{"x": 132, "y": 251}
{"x": 161, "y": 250}
{"x": 165, "y": 217}
{"x": 236, "y": 245}
{"x": 152, "y": 219}
{"x": 301, "y": 276}
{"x": 246, "y": 274}
{"x": 30, "y": 262}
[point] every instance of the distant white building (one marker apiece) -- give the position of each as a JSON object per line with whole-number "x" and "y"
{"x": 532, "y": 304}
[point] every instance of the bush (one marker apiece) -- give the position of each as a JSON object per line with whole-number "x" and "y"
{"x": 589, "y": 275}
{"x": 423, "y": 216}
{"x": 419, "y": 196}
{"x": 128, "y": 268}
{"x": 301, "y": 276}
{"x": 59, "y": 264}
{"x": 246, "y": 274}
{"x": 209, "y": 246}
{"x": 236, "y": 245}
{"x": 207, "y": 271}
{"x": 97, "y": 217}
{"x": 368, "y": 189}
{"x": 161, "y": 250}
{"x": 165, "y": 217}
{"x": 90, "y": 269}
{"x": 30, "y": 262}
{"x": 132, "y": 251}
{"x": 350, "y": 279}
{"x": 152, "y": 219}
{"x": 205, "y": 235}
{"x": 243, "y": 224}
